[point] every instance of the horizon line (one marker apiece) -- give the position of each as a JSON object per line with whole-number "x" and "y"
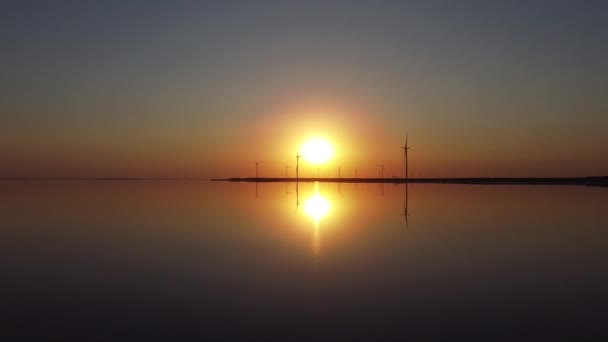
{"x": 579, "y": 180}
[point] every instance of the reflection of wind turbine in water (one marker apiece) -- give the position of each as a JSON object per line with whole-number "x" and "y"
{"x": 339, "y": 176}
{"x": 405, "y": 148}
{"x": 405, "y": 212}
{"x": 256, "y": 179}
{"x": 381, "y": 166}
{"x": 286, "y": 178}
{"x": 298, "y": 156}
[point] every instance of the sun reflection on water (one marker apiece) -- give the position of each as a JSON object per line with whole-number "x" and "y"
{"x": 317, "y": 207}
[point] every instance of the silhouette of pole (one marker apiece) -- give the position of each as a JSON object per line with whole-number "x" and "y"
{"x": 256, "y": 169}
{"x": 381, "y": 166}
{"x": 339, "y": 171}
{"x": 298, "y": 165}
{"x": 405, "y": 148}
{"x": 286, "y": 167}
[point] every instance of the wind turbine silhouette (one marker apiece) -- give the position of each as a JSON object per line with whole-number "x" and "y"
{"x": 381, "y": 166}
{"x": 298, "y": 156}
{"x": 405, "y": 148}
{"x": 256, "y": 169}
{"x": 256, "y": 179}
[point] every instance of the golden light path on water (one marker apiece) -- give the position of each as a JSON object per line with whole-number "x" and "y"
{"x": 317, "y": 207}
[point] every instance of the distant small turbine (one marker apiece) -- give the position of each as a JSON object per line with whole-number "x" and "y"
{"x": 381, "y": 166}
{"x": 256, "y": 169}
{"x": 298, "y": 156}
{"x": 405, "y": 148}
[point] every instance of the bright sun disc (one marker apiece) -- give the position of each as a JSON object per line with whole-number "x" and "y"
{"x": 317, "y": 150}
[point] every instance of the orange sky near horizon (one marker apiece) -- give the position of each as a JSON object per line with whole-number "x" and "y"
{"x": 230, "y": 148}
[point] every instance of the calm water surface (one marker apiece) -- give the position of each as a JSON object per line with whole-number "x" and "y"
{"x": 102, "y": 260}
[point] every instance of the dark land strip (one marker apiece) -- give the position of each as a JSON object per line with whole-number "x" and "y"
{"x": 589, "y": 181}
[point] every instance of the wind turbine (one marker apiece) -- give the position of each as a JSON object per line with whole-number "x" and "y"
{"x": 298, "y": 156}
{"x": 405, "y": 148}
{"x": 256, "y": 179}
{"x": 256, "y": 169}
{"x": 381, "y": 166}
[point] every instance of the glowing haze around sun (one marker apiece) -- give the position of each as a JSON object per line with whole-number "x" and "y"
{"x": 317, "y": 150}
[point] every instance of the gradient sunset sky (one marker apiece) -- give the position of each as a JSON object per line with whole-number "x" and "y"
{"x": 206, "y": 89}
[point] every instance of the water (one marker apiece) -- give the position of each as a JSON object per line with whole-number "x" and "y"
{"x": 101, "y": 260}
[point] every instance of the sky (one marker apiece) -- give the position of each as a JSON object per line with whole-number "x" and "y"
{"x": 209, "y": 88}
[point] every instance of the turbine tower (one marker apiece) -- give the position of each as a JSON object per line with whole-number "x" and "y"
{"x": 298, "y": 156}
{"x": 405, "y": 148}
{"x": 256, "y": 169}
{"x": 381, "y": 166}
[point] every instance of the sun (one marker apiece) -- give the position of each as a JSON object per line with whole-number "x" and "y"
{"x": 317, "y": 150}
